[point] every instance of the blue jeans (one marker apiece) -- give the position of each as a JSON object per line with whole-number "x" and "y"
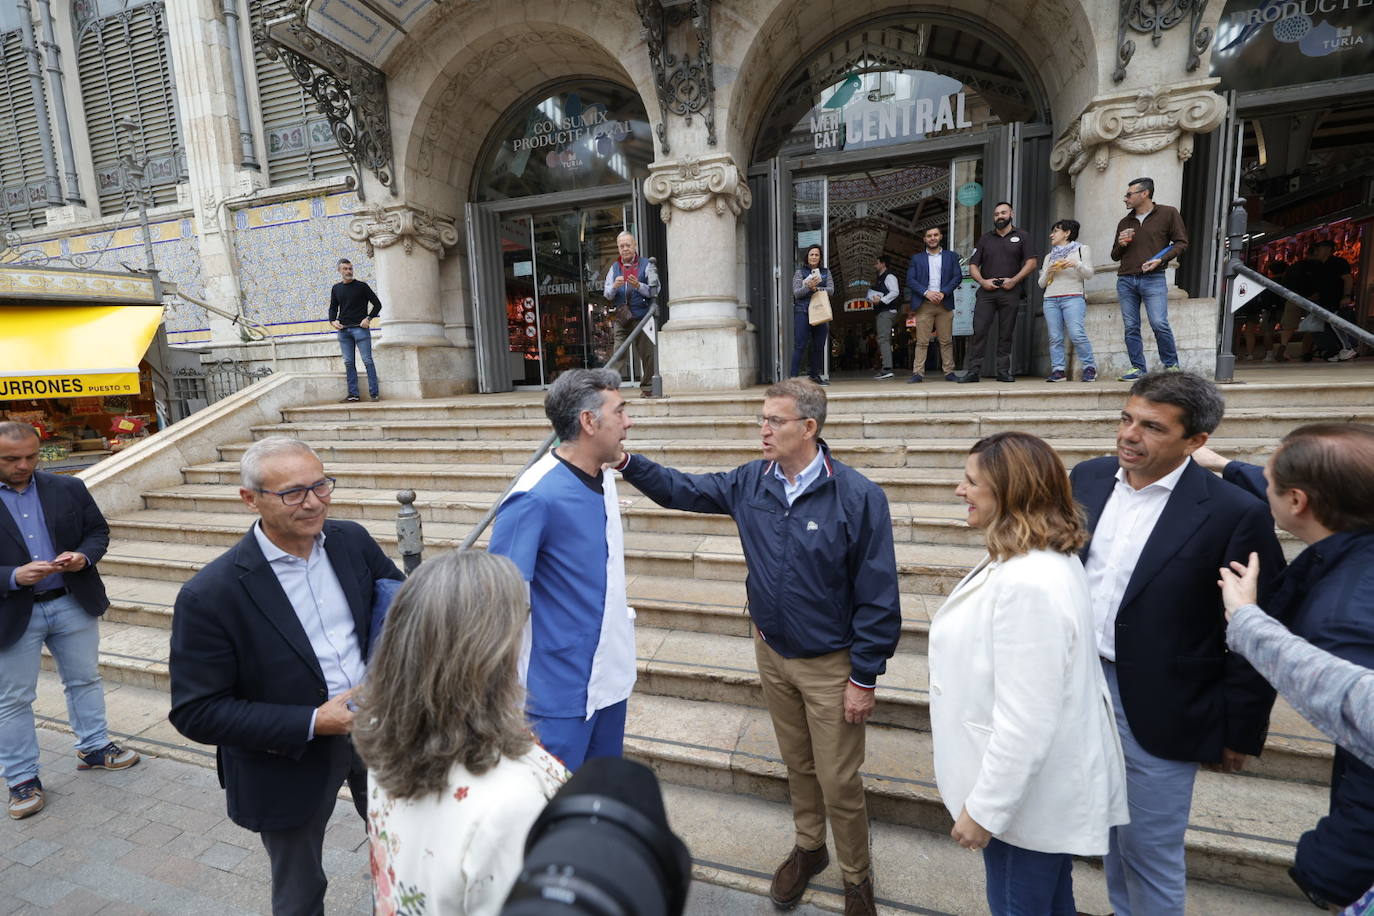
{"x": 362, "y": 339}
{"x": 73, "y": 638}
{"x": 1070, "y": 311}
{"x": 1146, "y": 872}
{"x": 805, "y": 337}
{"x": 1022, "y": 882}
{"x": 1153, "y": 290}
{"x": 577, "y": 740}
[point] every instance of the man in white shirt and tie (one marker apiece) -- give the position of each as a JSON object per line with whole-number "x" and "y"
{"x": 1161, "y": 528}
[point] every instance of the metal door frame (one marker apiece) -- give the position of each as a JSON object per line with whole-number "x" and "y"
{"x": 486, "y": 271}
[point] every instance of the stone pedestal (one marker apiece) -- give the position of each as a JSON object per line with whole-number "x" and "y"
{"x": 1120, "y": 137}
{"x": 1193, "y": 321}
{"x": 414, "y": 358}
{"x": 705, "y": 346}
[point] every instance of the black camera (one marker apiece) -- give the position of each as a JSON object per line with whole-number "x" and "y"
{"x": 602, "y": 847}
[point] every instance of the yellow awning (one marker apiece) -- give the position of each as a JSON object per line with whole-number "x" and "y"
{"x": 62, "y": 351}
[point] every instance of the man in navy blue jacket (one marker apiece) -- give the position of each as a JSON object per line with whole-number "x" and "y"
{"x": 822, "y": 589}
{"x": 268, "y": 643}
{"x": 932, "y": 277}
{"x": 1320, "y": 487}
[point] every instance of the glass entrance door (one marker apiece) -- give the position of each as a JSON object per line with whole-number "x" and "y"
{"x": 855, "y": 216}
{"x": 555, "y": 265}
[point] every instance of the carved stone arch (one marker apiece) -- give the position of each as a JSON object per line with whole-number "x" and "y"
{"x": 1061, "y": 82}
{"x": 476, "y": 61}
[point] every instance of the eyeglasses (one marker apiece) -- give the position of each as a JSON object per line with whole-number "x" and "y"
{"x": 776, "y": 423}
{"x": 1130, "y": 194}
{"x": 296, "y": 495}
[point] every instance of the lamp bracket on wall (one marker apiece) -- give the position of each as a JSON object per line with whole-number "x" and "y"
{"x": 685, "y": 82}
{"x": 1154, "y": 18}
{"x": 349, "y": 92}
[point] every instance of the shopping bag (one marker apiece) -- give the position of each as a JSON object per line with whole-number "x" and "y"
{"x": 819, "y": 310}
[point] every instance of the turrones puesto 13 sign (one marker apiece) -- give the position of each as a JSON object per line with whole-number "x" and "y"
{"x": 1265, "y": 44}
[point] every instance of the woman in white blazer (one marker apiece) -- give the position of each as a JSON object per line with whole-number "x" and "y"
{"x": 1027, "y": 756}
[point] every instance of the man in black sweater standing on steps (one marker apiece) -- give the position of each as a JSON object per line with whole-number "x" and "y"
{"x": 349, "y": 315}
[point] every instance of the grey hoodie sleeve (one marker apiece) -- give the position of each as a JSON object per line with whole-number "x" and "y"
{"x": 1333, "y": 694}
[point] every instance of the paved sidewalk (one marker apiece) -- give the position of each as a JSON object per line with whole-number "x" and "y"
{"x": 155, "y": 839}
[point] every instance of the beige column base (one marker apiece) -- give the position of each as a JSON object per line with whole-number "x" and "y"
{"x": 408, "y": 372}
{"x": 706, "y": 354}
{"x": 1193, "y": 321}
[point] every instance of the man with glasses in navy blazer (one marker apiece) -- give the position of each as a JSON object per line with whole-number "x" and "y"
{"x": 268, "y": 643}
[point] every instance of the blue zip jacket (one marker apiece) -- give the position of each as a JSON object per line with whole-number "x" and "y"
{"x": 822, "y": 572}
{"x": 1326, "y": 596}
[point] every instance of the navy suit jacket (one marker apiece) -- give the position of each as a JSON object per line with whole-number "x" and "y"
{"x": 918, "y": 277}
{"x": 1185, "y": 695}
{"x": 74, "y": 523}
{"x": 1327, "y": 597}
{"x": 246, "y": 679}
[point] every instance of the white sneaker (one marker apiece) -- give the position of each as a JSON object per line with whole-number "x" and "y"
{"x": 1347, "y": 353}
{"x": 886, "y": 373}
{"x": 1269, "y": 357}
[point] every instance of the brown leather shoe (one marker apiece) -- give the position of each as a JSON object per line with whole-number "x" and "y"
{"x": 795, "y": 872}
{"x": 858, "y": 898}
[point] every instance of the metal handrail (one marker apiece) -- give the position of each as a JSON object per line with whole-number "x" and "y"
{"x": 548, "y": 442}
{"x": 253, "y": 329}
{"x": 1235, "y": 268}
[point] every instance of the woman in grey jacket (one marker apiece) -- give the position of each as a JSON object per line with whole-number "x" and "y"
{"x": 1333, "y": 694}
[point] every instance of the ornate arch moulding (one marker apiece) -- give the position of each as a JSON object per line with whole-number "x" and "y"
{"x": 1154, "y": 18}
{"x": 691, "y": 183}
{"x": 381, "y": 227}
{"x": 1144, "y": 122}
{"x": 685, "y": 83}
{"x": 349, "y": 92}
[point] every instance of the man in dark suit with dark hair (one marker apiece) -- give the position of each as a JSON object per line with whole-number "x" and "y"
{"x": 1161, "y": 527}
{"x": 268, "y": 643}
{"x": 51, "y": 536}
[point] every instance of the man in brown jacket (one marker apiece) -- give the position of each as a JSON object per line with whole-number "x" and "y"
{"x": 1147, "y": 238}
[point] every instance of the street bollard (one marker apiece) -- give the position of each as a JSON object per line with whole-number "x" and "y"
{"x": 409, "y": 533}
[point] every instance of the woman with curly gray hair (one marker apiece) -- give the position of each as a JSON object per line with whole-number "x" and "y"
{"x": 456, "y": 779}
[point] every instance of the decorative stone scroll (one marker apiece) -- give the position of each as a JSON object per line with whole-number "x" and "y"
{"x": 382, "y": 227}
{"x": 691, "y": 183}
{"x": 1143, "y": 123}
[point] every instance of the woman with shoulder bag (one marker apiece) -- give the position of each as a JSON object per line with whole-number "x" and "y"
{"x": 810, "y": 279}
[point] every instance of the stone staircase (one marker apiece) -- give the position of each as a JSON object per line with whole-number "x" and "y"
{"x": 697, "y": 716}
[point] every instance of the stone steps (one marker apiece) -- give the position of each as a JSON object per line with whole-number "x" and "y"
{"x": 736, "y": 839}
{"x": 868, "y": 454}
{"x": 858, "y": 397}
{"x": 921, "y": 568}
{"x": 1241, "y": 831}
{"x": 1100, "y": 423}
{"x": 712, "y": 669}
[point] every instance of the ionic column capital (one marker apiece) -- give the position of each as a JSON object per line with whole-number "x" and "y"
{"x": 691, "y": 182}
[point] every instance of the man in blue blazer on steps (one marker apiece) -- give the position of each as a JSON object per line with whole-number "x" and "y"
{"x": 1161, "y": 528}
{"x": 931, "y": 279}
{"x": 268, "y": 643}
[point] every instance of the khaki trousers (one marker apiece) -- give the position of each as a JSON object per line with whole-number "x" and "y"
{"x": 942, "y": 319}
{"x": 822, "y": 751}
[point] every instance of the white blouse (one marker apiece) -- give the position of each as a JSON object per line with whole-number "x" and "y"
{"x": 458, "y": 852}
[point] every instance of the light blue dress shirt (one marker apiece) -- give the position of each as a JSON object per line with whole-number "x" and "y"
{"x": 318, "y": 599}
{"x": 808, "y": 474}
{"x": 33, "y": 528}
